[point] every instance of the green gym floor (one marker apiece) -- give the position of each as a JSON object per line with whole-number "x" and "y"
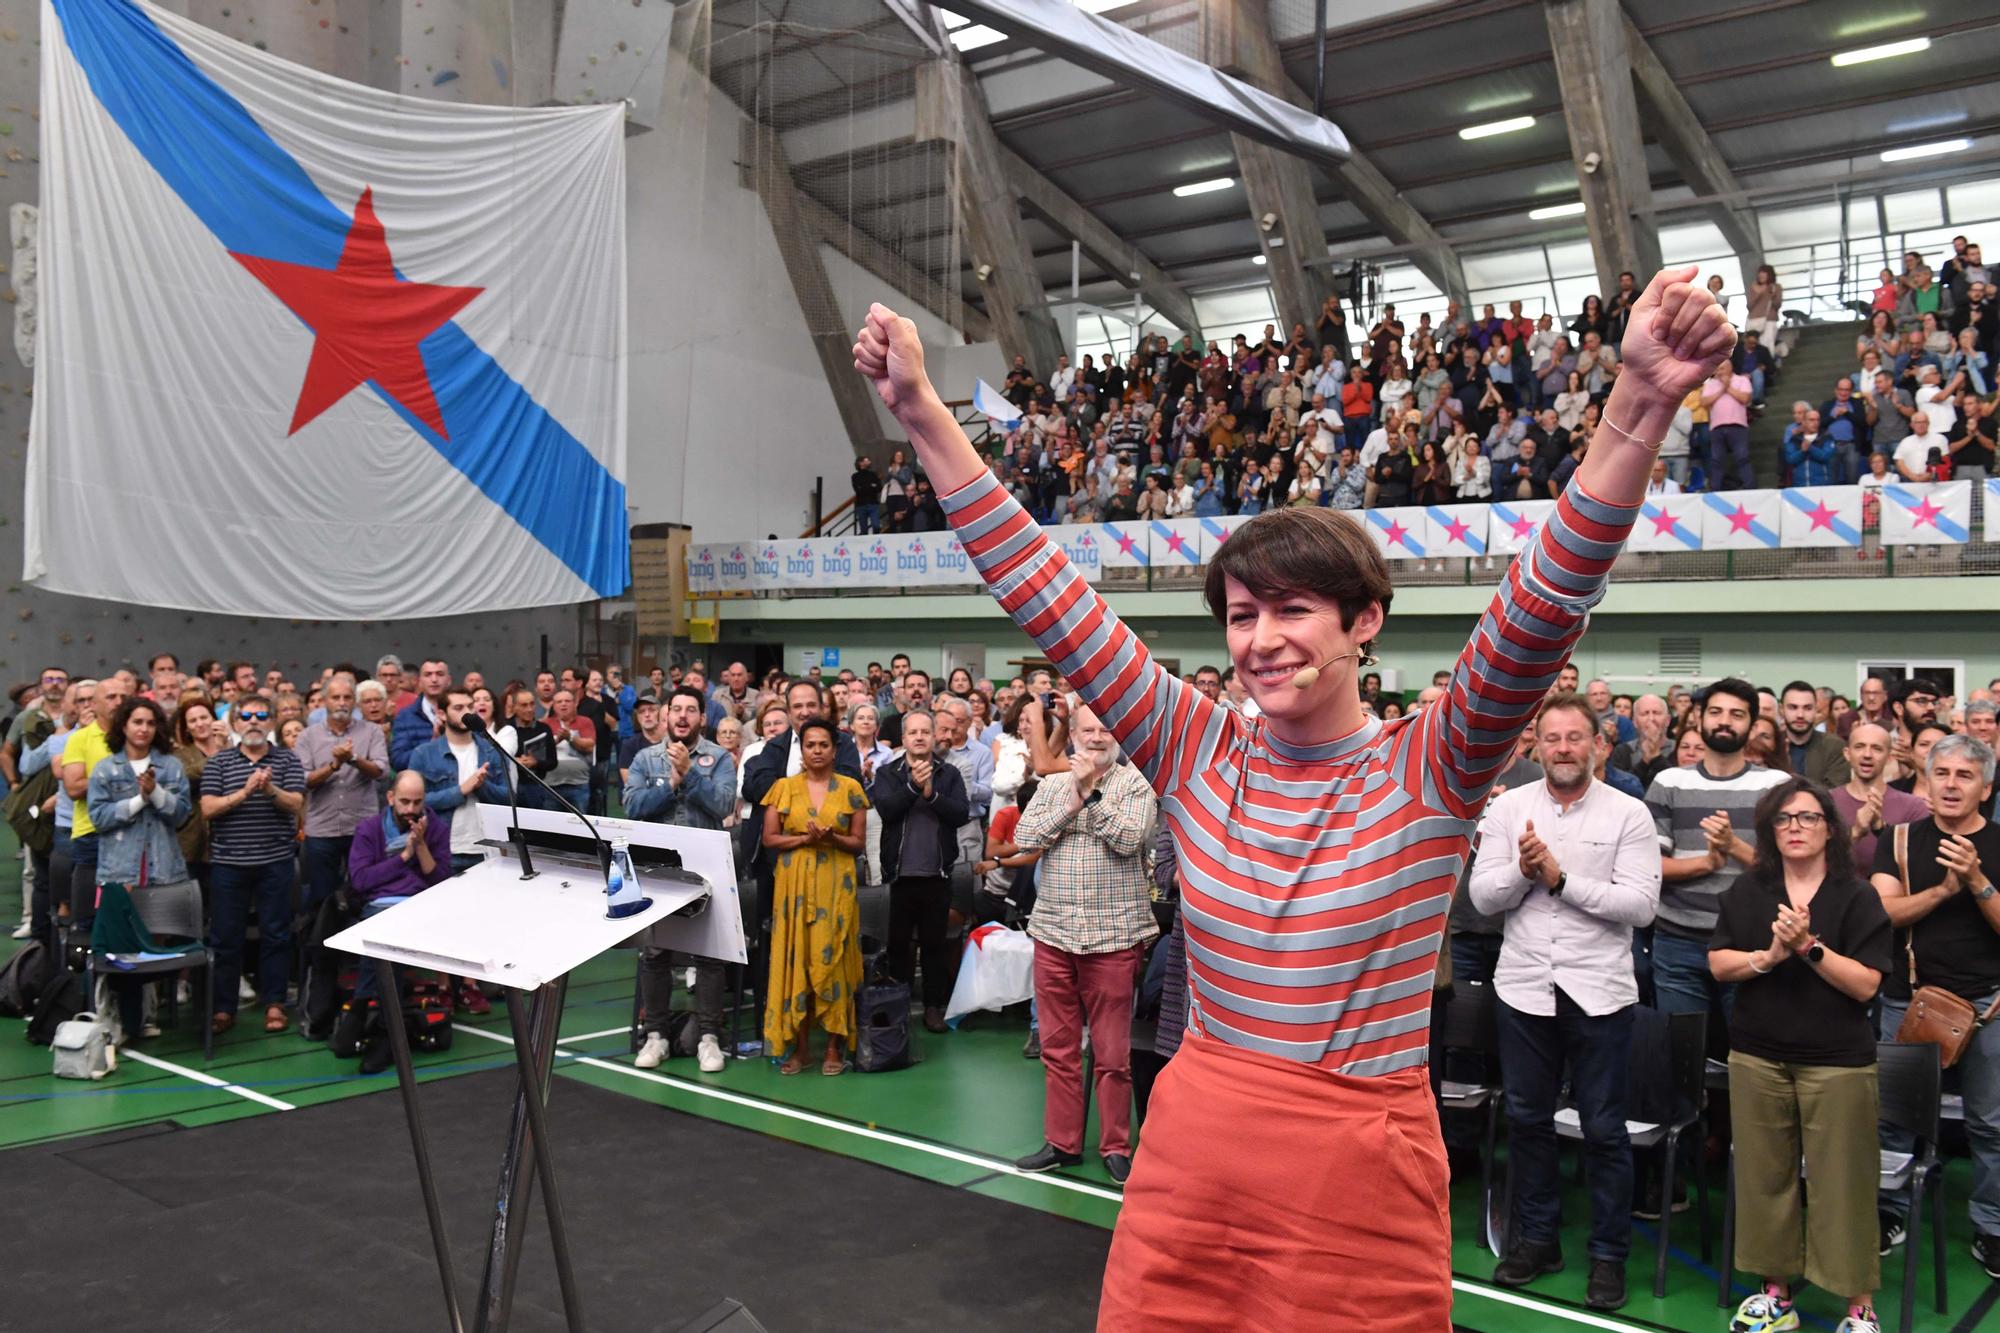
{"x": 958, "y": 1119}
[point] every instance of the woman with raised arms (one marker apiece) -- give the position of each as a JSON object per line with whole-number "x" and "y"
{"x": 1291, "y": 1173}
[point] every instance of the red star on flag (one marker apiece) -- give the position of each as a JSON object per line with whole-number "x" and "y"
{"x": 1925, "y": 514}
{"x": 1522, "y": 527}
{"x": 1663, "y": 524}
{"x": 1821, "y": 517}
{"x": 1395, "y": 533}
{"x": 1126, "y": 544}
{"x": 1458, "y": 531}
{"x": 1741, "y": 520}
{"x": 368, "y": 324}
{"x": 1176, "y": 543}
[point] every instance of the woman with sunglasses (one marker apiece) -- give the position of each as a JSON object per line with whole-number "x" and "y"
{"x": 1806, "y": 943}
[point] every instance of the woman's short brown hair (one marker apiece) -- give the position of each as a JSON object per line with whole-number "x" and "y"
{"x": 1306, "y": 551}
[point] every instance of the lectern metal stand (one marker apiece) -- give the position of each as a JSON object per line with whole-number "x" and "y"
{"x": 489, "y": 925}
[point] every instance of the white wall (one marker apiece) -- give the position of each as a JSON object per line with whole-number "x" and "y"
{"x": 731, "y": 414}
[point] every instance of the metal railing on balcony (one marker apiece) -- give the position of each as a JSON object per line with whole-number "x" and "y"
{"x": 840, "y": 520}
{"x": 1870, "y": 560}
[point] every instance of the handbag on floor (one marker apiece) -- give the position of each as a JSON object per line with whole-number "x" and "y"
{"x": 82, "y": 1048}
{"x": 882, "y": 1018}
{"x": 1943, "y": 1018}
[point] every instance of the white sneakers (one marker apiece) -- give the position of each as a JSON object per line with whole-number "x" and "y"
{"x": 709, "y": 1054}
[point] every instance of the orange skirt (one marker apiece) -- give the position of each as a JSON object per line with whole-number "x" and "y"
{"x": 1268, "y": 1194}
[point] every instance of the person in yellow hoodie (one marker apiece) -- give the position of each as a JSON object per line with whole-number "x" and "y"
{"x": 86, "y": 745}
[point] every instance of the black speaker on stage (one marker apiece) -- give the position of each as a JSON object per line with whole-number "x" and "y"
{"x": 726, "y": 1316}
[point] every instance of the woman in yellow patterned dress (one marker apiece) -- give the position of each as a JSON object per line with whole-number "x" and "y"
{"x": 816, "y": 820}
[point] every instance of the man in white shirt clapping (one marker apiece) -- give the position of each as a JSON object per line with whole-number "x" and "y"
{"x": 1574, "y": 865}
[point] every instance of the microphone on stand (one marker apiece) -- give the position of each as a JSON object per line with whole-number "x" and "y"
{"x": 1307, "y": 677}
{"x": 477, "y": 726}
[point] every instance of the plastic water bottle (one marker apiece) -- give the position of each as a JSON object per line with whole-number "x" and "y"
{"x": 621, "y": 889}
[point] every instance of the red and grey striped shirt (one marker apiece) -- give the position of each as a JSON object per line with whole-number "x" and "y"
{"x": 1315, "y": 880}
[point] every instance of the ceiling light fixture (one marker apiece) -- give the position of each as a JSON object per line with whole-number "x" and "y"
{"x": 1203, "y": 187}
{"x": 1568, "y": 210}
{"x": 1937, "y": 149}
{"x": 1493, "y": 127}
{"x": 1863, "y": 54}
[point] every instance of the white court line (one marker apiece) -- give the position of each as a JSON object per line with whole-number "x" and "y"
{"x": 1585, "y": 1318}
{"x": 593, "y": 1036}
{"x": 211, "y": 1080}
{"x": 859, "y": 1131}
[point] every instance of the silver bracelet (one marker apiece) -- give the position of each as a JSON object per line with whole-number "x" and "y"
{"x": 1760, "y": 971}
{"x": 1604, "y": 419}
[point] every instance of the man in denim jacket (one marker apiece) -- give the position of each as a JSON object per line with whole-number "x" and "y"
{"x": 461, "y": 770}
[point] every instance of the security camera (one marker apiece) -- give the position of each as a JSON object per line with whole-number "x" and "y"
{"x": 983, "y": 272}
{"x": 1591, "y": 162}
{"x": 1268, "y": 221}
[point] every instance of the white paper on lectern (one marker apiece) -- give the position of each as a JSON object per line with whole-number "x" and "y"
{"x": 491, "y": 925}
{"x": 716, "y": 932}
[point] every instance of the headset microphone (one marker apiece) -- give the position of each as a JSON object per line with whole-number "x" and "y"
{"x": 1306, "y": 677}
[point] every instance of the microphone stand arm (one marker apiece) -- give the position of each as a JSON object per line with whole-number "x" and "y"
{"x": 520, "y": 839}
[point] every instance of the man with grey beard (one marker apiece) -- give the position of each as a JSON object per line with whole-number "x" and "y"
{"x": 342, "y": 757}
{"x": 1575, "y": 866}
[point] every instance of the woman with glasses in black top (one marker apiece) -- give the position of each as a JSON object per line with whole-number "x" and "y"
{"x": 1806, "y": 943}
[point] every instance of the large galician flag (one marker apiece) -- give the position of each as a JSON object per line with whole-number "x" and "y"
{"x": 312, "y": 350}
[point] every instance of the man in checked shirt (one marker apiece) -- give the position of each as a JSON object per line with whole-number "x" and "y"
{"x": 1093, "y": 918}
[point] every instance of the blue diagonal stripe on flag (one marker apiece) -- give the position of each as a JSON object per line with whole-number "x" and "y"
{"x": 1395, "y": 532}
{"x": 1948, "y": 526}
{"x": 1176, "y": 543}
{"x": 1720, "y": 504}
{"x": 257, "y": 200}
{"x": 1444, "y": 520}
{"x": 989, "y": 402}
{"x": 1805, "y": 505}
{"x": 1680, "y": 532}
{"x": 1135, "y": 550}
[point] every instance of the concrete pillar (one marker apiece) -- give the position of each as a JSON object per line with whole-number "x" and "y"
{"x": 1238, "y": 36}
{"x": 1701, "y": 163}
{"x": 950, "y": 106}
{"x": 1123, "y": 260}
{"x": 798, "y": 243}
{"x": 1279, "y": 192}
{"x": 1594, "y": 69}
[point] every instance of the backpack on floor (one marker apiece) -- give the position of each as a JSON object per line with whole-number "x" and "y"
{"x": 61, "y": 1000}
{"x": 321, "y": 991}
{"x": 82, "y": 1048}
{"x": 427, "y": 1013}
{"x": 23, "y": 978}
{"x": 882, "y": 1013}
{"x": 351, "y": 1027}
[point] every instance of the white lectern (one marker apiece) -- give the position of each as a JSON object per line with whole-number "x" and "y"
{"x": 525, "y": 919}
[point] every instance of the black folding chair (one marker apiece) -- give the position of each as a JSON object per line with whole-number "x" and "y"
{"x": 1910, "y": 1087}
{"x": 1687, "y": 1042}
{"x": 169, "y": 911}
{"x": 1469, "y": 1026}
